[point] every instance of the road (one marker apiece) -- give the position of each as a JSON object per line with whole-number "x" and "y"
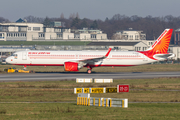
{"x": 74, "y": 75}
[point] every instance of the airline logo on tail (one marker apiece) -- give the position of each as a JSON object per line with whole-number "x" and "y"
{"x": 161, "y": 45}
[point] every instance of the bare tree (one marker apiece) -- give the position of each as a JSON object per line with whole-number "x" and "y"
{"x": 77, "y": 15}
{"x": 32, "y": 19}
{"x": 72, "y": 16}
{"x": 62, "y": 16}
{"x": 3, "y": 20}
{"x": 152, "y": 26}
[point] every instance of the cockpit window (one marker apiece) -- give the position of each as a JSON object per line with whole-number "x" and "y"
{"x": 15, "y": 56}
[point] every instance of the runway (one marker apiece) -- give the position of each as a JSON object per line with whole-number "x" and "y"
{"x": 74, "y": 75}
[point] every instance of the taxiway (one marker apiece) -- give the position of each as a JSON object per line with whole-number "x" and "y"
{"x": 73, "y": 75}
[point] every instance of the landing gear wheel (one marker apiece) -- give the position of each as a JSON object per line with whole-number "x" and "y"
{"x": 24, "y": 67}
{"x": 89, "y": 71}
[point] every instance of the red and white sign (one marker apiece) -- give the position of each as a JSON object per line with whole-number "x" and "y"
{"x": 122, "y": 88}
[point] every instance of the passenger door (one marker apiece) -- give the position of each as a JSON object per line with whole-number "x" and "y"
{"x": 24, "y": 55}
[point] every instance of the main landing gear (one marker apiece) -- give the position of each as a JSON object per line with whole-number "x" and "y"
{"x": 89, "y": 70}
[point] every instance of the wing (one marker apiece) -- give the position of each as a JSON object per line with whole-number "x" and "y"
{"x": 84, "y": 62}
{"x": 95, "y": 59}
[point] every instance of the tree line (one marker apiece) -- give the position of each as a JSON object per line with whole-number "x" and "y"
{"x": 152, "y": 26}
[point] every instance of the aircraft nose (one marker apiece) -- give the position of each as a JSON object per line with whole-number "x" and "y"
{"x": 8, "y": 60}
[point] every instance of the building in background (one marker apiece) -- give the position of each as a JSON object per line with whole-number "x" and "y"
{"x": 175, "y": 50}
{"x": 89, "y": 34}
{"x": 121, "y": 45}
{"x": 23, "y": 31}
{"x": 177, "y": 37}
{"x": 129, "y": 35}
{"x": 57, "y": 24}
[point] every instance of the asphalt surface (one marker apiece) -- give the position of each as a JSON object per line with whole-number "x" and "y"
{"x": 74, "y": 75}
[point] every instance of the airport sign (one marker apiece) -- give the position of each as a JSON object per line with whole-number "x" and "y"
{"x": 111, "y": 90}
{"x": 122, "y": 88}
{"x": 97, "y": 90}
{"x": 78, "y": 90}
{"x": 86, "y": 90}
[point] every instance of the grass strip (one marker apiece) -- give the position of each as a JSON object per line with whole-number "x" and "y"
{"x": 44, "y": 111}
{"x": 57, "y": 91}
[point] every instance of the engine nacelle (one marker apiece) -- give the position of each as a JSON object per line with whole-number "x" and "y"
{"x": 71, "y": 66}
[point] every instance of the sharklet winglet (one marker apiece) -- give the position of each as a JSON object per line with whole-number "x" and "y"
{"x": 107, "y": 54}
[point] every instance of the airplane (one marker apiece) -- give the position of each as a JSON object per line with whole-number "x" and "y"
{"x": 75, "y": 60}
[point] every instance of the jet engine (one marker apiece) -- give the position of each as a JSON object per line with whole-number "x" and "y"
{"x": 72, "y": 66}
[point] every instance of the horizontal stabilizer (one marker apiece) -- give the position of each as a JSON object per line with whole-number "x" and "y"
{"x": 164, "y": 56}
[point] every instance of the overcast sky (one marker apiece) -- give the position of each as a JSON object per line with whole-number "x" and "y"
{"x": 92, "y": 9}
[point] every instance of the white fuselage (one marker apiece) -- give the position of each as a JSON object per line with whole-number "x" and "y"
{"x": 57, "y": 58}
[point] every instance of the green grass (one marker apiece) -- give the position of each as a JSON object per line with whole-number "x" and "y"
{"x": 141, "y": 68}
{"x": 44, "y": 42}
{"x": 56, "y": 111}
{"x": 56, "y": 91}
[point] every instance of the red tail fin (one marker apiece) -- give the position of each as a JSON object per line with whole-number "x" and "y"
{"x": 161, "y": 45}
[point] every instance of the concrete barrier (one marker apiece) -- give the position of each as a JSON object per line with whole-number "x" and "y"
{"x": 84, "y": 80}
{"x": 82, "y": 101}
{"x": 84, "y": 95}
{"x": 104, "y": 102}
{"x": 117, "y": 102}
{"x": 97, "y": 101}
{"x": 90, "y": 80}
{"x": 103, "y": 80}
{"x": 82, "y": 98}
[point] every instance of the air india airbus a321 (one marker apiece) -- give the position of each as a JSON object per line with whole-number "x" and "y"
{"x": 75, "y": 60}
